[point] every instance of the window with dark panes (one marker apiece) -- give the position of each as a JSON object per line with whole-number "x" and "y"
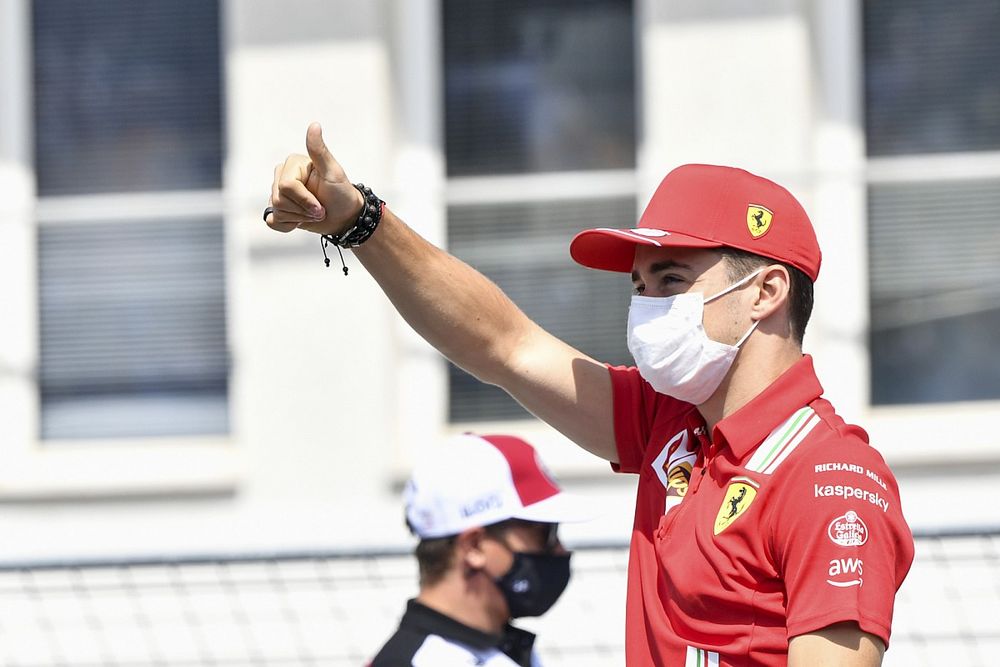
{"x": 128, "y": 111}
{"x": 538, "y": 85}
{"x": 931, "y": 76}
{"x": 933, "y": 87}
{"x": 533, "y": 88}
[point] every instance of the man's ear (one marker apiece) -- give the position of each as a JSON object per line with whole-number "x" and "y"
{"x": 772, "y": 295}
{"x": 469, "y": 548}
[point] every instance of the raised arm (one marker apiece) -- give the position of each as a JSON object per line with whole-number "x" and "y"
{"x": 454, "y": 307}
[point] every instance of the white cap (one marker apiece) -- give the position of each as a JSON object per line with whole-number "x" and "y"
{"x": 472, "y": 481}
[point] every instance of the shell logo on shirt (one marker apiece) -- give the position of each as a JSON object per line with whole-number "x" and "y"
{"x": 738, "y": 497}
{"x": 673, "y": 467}
{"x": 678, "y": 478}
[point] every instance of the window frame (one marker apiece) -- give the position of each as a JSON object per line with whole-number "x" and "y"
{"x": 540, "y": 187}
{"x": 907, "y": 435}
{"x": 558, "y": 451}
{"x": 912, "y": 432}
{"x": 143, "y": 208}
{"x": 422, "y": 198}
{"x": 31, "y": 469}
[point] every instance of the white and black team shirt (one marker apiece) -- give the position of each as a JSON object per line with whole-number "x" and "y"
{"x": 427, "y": 638}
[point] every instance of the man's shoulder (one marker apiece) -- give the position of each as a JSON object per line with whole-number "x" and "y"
{"x": 428, "y": 638}
{"x": 838, "y": 441}
{"x": 816, "y": 442}
{"x": 408, "y": 648}
{"x": 400, "y": 649}
{"x": 836, "y": 462}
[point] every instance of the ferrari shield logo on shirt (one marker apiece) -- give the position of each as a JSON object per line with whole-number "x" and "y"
{"x": 758, "y": 220}
{"x": 738, "y": 497}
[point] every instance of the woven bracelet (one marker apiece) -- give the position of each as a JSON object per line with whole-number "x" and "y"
{"x": 362, "y": 229}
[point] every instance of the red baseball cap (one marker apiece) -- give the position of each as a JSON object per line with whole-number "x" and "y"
{"x": 707, "y": 206}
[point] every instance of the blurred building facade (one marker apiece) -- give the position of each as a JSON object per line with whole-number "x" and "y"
{"x": 176, "y": 378}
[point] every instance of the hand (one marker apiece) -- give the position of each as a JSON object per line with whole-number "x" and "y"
{"x": 313, "y": 193}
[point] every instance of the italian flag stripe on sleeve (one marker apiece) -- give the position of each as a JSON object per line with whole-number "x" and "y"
{"x": 782, "y": 441}
{"x": 699, "y": 657}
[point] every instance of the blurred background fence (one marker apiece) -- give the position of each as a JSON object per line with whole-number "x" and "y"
{"x": 336, "y": 608}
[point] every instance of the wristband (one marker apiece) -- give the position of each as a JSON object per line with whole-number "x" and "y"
{"x": 362, "y": 229}
{"x": 365, "y": 224}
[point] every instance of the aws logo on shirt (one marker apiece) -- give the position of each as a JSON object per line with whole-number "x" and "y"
{"x": 851, "y": 568}
{"x": 739, "y": 496}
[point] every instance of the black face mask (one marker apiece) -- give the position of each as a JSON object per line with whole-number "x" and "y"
{"x": 534, "y": 582}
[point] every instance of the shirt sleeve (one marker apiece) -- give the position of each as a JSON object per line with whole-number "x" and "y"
{"x": 637, "y": 406}
{"x": 839, "y": 539}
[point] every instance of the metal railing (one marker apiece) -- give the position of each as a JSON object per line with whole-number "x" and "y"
{"x": 335, "y": 608}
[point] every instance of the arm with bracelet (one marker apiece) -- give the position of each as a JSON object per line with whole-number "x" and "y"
{"x": 454, "y": 307}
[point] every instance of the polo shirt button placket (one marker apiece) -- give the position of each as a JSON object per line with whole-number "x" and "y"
{"x": 661, "y": 530}
{"x": 705, "y": 456}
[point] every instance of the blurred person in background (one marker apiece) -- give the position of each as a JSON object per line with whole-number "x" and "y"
{"x": 487, "y": 513}
{"x": 767, "y": 530}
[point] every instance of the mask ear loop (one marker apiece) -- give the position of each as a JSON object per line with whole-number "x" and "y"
{"x": 753, "y": 327}
{"x": 736, "y": 285}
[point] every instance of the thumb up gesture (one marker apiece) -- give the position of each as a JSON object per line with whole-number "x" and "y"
{"x": 312, "y": 192}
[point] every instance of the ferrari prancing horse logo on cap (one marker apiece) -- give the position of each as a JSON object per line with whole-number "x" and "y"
{"x": 758, "y": 220}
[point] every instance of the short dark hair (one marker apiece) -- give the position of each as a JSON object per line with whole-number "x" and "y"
{"x": 741, "y": 263}
{"x": 434, "y": 558}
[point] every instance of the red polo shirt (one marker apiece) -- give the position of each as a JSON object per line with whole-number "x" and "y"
{"x": 785, "y": 522}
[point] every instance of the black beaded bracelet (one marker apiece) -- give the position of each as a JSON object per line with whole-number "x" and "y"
{"x": 362, "y": 229}
{"x": 364, "y": 226}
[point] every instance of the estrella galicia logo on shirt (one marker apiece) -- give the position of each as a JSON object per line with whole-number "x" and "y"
{"x": 738, "y": 497}
{"x": 848, "y": 530}
{"x": 758, "y": 220}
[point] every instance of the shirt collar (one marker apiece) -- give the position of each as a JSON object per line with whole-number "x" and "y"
{"x": 514, "y": 642}
{"x": 747, "y": 427}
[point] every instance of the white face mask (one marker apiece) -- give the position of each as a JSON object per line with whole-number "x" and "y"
{"x": 671, "y": 349}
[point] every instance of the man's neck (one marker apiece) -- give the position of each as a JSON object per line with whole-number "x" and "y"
{"x": 465, "y": 602}
{"x": 754, "y": 370}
